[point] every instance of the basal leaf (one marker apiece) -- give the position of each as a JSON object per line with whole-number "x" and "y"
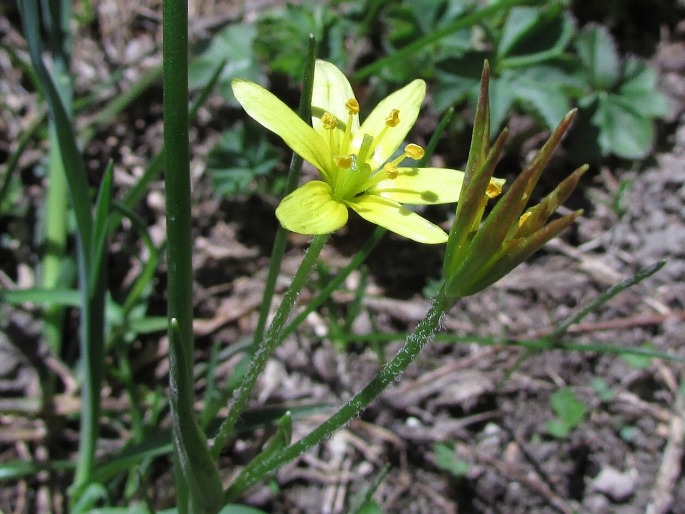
{"x": 541, "y": 34}
{"x": 520, "y": 22}
{"x": 541, "y": 91}
{"x": 640, "y": 90}
{"x": 502, "y": 95}
{"x": 599, "y": 56}
{"x": 458, "y": 79}
{"x": 623, "y": 130}
{"x": 234, "y": 45}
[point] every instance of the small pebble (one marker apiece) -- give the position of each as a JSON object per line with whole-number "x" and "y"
{"x": 615, "y": 484}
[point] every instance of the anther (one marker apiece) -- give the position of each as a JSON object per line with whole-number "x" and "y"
{"x": 390, "y": 170}
{"x": 352, "y": 106}
{"x": 393, "y": 119}
{"x": 329, "y": 121}
{"x": 414, "y": 151}
{"x": 344, "y": 162}
{"x": 524, "y": 217}
{"x": 494, "y": 188}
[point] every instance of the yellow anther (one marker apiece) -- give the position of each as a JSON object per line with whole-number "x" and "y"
{"x": 494, "y": 188}
{"x": 329, "y": 121}
{"x": 344, "y": 162}
{"x": 393, "y": 119}
{"x": 352, "y": 106}
{"x": 524, "y": 217}
{"x": 414, "y": 151}
{"x": 390, "y": 170}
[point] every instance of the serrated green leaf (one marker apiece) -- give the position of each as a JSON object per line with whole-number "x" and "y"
{"x": 405, "y": 22}
{"x": 234, "y": 44}
{"x": 502, "y": 95}
{"x": 458, "y": 79}
{"x": 543, "y": 39}
{"x": 541, "y": 91}
{"x": 599, "y": 56}
{"x": 623, "y": 131}
{"x": 282, "y": 35}
{"x": 520, "y": 22}
{"x": 639, "y": 88}
{"x": 239, "y": 158}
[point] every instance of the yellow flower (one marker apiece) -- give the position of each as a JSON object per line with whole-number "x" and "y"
{"x": 357, "y": 164}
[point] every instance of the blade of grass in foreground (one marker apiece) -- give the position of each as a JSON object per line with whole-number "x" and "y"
{"x": 91, "y": 282}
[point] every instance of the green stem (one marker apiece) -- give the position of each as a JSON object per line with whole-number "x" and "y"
{"x": 414, "y": 343}
{"x": 266, "y": 346}
{"x": 177, "y": 184}
{"x": 177, "y": 169}
{"x": 334, "y": 283}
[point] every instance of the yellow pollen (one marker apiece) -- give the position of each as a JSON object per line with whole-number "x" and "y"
{"x": 352, "y": 106}
{"x": 329, "y": 121}
{"x": 390, "y": 170}
{"x": 344, "y": 162}
{"x": 494, "y": 188}
{"x": 524, "y": 217}
{"x": 414, "y": 151}
{"x": 393, "y": 119}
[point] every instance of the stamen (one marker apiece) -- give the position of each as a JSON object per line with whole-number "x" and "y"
{"x": 329, "y": 121}
{"x": 353, "y": 109}
{"x": 494, "y": 188}
{"x": 414, "y": 151}
{"x": 390, "y": 170}
{"x": 411, "y": 150}
{"x": 393, "y": 119}
{"x": 344, "y": 162}
{"x": 352, "y": 106}
{"x": 524, "y": 217}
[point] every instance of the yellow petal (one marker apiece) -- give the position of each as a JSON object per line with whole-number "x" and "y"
{"x": 398, "y": 219}
{"x": 408, "y": 101}
{"x": 421, "y": 186}
{"x": 273, "y": 114}
{"x": 312, "y": 210}
{"x": 331, "y": 91}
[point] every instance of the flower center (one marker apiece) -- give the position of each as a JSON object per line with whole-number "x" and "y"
{"x": 352, "y": 174}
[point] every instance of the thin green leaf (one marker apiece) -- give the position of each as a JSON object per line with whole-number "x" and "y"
{"x": 102, "y": 220}
{"x": 74, "y": 165}
{"x": 64, "y": 297}
{"x": 199, "y": 468}
{"x": 607, "y": 295}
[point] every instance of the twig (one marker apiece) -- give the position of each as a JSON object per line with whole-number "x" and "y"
{"x": 670, "y": 469}
{"x": 527, "y": 480}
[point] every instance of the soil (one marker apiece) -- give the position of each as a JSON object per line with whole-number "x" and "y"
{"x": 482, "y": 409}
